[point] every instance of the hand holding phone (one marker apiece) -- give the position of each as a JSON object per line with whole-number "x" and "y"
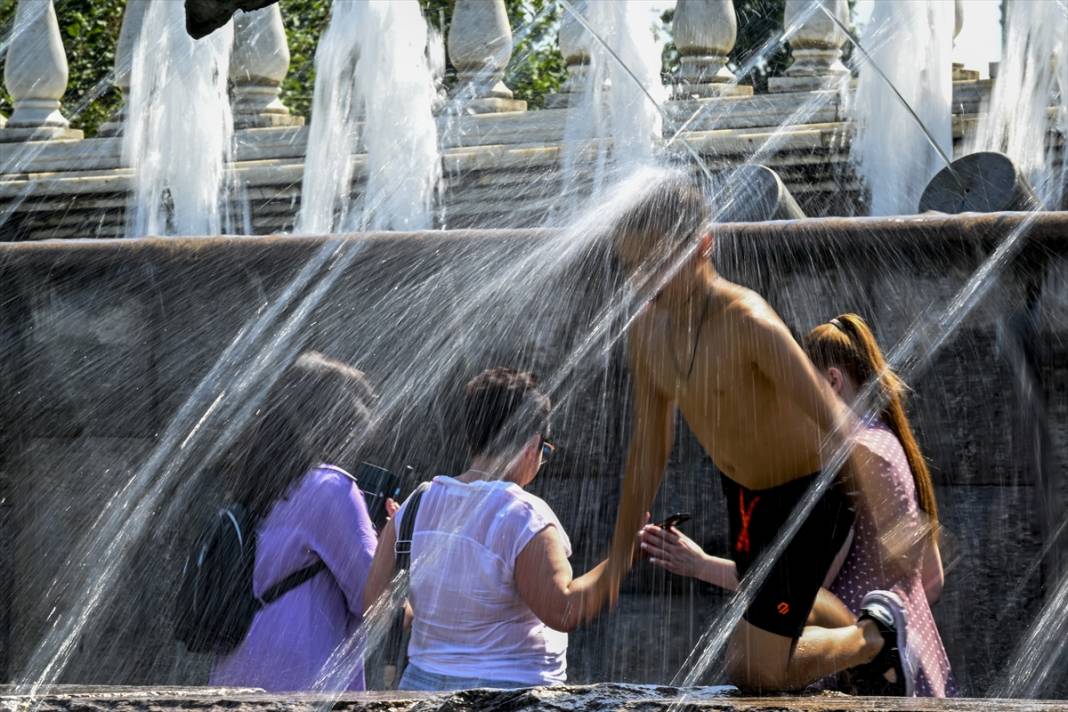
{"x": 674, "y": 520}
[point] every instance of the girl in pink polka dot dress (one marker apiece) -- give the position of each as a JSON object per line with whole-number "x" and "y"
{"x": 895, "y": 544}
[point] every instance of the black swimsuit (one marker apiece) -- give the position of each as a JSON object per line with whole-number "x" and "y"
{"x": 782, "y": 603}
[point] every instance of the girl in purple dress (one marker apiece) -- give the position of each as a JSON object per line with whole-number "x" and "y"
{"x": 895, "y": 540}
{"x": 305, "y": 509}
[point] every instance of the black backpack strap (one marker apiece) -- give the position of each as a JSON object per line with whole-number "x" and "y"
{"x": 403, "y": 548}
{"x": 290, "y": 582}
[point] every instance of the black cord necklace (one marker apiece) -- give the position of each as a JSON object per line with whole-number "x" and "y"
{"x": 696, "y": 341}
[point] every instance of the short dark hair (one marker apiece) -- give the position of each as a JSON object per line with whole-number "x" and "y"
{"x": 673, "y": 210}
{"x": 503, "y": 408}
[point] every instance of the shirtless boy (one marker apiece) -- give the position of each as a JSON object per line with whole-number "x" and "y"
{"x": 719, "y": 353}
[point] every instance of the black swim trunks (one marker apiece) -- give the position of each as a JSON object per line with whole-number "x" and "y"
{"x": 782, "y": 603}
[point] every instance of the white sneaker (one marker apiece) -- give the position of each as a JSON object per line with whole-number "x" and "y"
{"x": 887, "y": 611}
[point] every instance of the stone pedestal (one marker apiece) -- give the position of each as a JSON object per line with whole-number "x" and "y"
{"x": 816, "y": 48}
{"x": 711, "y": 90}
{"x": 782, "y": 85}
{"x": 480, "y": 45}
{"x": 36, "y": 76}
{"x": 258, "y": 66}
{"x": 705, "y": 33}
{"x": 960, "y": 74}
{"x": 573, "y": 41}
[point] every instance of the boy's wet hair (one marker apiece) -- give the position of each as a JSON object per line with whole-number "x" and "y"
{"x": 503, "y": 408}
{"x": 674, "y": 210}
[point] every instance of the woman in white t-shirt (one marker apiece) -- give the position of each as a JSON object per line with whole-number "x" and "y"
{"x": 492, "y": 593}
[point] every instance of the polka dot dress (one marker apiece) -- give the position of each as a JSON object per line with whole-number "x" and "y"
{"x": 863, "y": 570}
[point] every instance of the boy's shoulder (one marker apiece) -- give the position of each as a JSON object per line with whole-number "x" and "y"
{"x": 743, "y": 308}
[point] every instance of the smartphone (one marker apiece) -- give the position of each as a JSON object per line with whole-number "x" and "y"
{"x": 376, "y": 483}
{"x": 674, "y": 520}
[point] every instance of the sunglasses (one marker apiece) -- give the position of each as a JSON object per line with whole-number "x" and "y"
{"x": 547, "y": 450}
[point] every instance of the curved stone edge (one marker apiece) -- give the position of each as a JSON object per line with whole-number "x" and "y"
{"x": 603, "y": 696}
{"x": 1048, "y": 230}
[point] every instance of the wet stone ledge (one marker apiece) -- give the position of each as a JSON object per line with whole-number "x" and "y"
{"x": 593, "y": 698}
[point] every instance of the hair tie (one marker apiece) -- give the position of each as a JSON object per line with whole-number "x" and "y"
{"x": 837, "y": 323}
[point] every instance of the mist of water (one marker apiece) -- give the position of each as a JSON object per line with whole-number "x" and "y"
{"x": 911, "y": 41}
{"x": 614, "y": 103}
{"x": 502, "y": 288}
{"x": 1038, "y": 661}
{"x": 179, "y": 127}
{"x": 374, "y": 86}
{"x": 1033, "y": 76}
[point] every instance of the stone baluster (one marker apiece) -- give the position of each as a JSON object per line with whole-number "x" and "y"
{"x": 480, "y": 45}
{"x": 816, "y": 48}
{"x": 132, "y": 20}
{"x": 960, "y": 74}
{"x": 705, "y": 32}
{"x": 576, "y": 51}
{"x": 258, "y": 66}
{"x": 36, "y": 75}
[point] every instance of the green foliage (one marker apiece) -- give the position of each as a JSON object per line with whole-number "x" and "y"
{"x": 305, "y": 21}
{"x": 537, "y": 68}
{"x": 759, "y": 20}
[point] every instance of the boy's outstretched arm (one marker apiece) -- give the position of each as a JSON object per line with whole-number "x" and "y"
{"x": 651, "y": 440}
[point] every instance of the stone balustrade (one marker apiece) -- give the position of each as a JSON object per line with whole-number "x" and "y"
{"x": 479, "y": 43}
{"x": 79, "y": 188}
{"x": 35, "y": 73}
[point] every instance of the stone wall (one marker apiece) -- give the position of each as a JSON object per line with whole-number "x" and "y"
{"x": 104, "y": 342}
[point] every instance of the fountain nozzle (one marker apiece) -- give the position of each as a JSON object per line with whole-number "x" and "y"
{"x": 202, "y": 17}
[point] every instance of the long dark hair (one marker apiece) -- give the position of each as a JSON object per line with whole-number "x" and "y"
{"x": 317, "y": 412}
{"x": 847, "y": 342}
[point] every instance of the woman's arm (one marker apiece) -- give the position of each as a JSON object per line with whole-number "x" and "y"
{"x": 893, "y": 509}
{"x": 383, "y": 566}
{"x": 545, "y": 582}
{"x": 934, "y": 577}
{"x": 672, "y": 550}
{"x": 340, "y": 532}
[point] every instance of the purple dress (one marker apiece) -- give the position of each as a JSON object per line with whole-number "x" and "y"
{"x": 863, "y": 570}
{"x": 324, "y": 517}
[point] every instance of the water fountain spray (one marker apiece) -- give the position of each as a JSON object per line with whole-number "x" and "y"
{"x": 889, "y": 146}
{"x": 372, "y": 72}
{"x": 177, "y": 190}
